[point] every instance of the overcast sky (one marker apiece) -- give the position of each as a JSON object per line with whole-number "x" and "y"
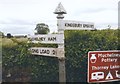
{"x": 21, "y": 16}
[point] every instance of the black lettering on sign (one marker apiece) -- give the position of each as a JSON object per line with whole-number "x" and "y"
{"x": 88, "y": 26}
{"x": 65, "y": 24}
{"x": 79, "y": 25}
{"x": 53, "y": 52}
{"x": 41, "y": 39}
{"x": 52, "y": 39}
{"x": 36, "y": 38}
{"x": 35, "y": 50}
{"x": 73, "y": 25}
{"x": 69, "y": 25}
{"x": 84, "y": 25}
{"x": 32, "y": 39}
{"x": 44, "y": 51}
{"x": 47, "y": 51}
{"x": 92, "y": 26}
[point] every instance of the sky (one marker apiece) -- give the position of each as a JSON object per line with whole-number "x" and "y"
{"x": 21, "y": 16}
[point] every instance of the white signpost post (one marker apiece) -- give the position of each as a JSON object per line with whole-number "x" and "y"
{"x": 62, "y": 74}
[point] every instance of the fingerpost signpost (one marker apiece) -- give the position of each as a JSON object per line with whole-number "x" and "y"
{"x": 62, "y": 74}
{"x": 52, "y": 39}
{"x": 58, "y": 39}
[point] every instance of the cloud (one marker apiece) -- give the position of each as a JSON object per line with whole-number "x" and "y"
{"x": 24, "y": 27}
{"x": 21, "y": 16}
{"x": 18, "y": 29}
{"x": 16, "y": 22}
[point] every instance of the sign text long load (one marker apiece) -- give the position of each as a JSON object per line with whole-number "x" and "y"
{"x": 53, "y": 52}
{"x": 47, "y": 38}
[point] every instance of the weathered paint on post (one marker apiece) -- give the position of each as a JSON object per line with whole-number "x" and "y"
{"x": 62, "y": 74}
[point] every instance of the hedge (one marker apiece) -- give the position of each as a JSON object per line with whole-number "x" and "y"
{"x": 77, "y": 46}
{"x": 19, "y": 65}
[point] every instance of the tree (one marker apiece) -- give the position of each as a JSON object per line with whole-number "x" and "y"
{"x": 9, "y": 35}
{"x": 42, "y": 28}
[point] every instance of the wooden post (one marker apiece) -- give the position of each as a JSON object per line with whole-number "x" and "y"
{"x": 62, "y": 76}
{"x": 61, "y": 59}
{"x": 61, "y": 56}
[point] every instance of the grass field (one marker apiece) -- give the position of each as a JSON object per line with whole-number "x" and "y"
{"x": 9, "y": 42}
